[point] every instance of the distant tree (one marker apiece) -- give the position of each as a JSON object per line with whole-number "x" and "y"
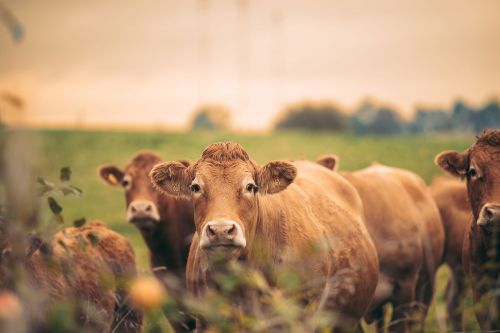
{"x": 462, "y": 117}
{"x": 429, "y": 121}
{"x": 313, "y": 116}
{"x": 387, "y": 121}
{"x": 487, "y": 117}
{"x": 211, "y": 117}
{"x": 371, "y": 119}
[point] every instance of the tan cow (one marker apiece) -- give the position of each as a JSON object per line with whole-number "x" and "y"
{"x": 404, "y": 223}
{"x": 451, "y": 198}
{"x": 480, "y": 164}
{"x": 271, "y": 216}
{"x": 74, "y": 267}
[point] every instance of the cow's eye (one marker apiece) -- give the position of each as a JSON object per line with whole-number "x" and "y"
{"x": 195, "y": 188}
{"x": 472, "y": 173}
{"x": 251, "y": 187}
{"x": 125, "y": 183}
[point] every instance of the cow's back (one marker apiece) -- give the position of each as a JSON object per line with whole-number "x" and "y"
{"x": 392, "y": 221}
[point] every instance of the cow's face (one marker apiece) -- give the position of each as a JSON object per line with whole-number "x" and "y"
{"x": 480, "y": 165}
{"x": 224, "y": 186}
{"x": 142, "y": 200}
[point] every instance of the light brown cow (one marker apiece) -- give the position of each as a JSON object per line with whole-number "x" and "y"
{"x": 451, "y": 198}
{"x": 480, "y": 164}
{"x": 272, "y": 216}
{"x": 402, "y": 220}
{"x": 73, "y": 267}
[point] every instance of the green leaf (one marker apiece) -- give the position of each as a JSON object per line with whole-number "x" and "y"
{"x": 65, "y": 174}
{"x": 94, "y": 238}
{"x": 59, "y": 218}
{"x": 54, "y": 206}
{"x": 79, "y": 222}
{"x": 70, "y": 189}
{"x": 45, "y": 186}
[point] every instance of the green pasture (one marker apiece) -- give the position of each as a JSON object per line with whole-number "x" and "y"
{"x": 84, "y": 151}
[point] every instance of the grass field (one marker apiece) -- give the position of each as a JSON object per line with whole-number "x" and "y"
{"x": 84, "y": 151}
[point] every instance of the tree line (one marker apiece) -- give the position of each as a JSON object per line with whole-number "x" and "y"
{"x": 369, "y": 118}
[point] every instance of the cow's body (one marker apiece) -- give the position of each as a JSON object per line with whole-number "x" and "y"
{"x": 318, "y": 207}
{"x": 399, "y": 215}
{"x": 73, "y": 267}
{"x": 451, "y": 198}
{"x": 480, "y": 164}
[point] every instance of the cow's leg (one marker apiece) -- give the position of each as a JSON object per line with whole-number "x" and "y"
{"x": 455, "y": 294}
{"x": 402, "y": 302}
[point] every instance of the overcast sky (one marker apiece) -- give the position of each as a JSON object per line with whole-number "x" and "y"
{"x": 151, "y": 63}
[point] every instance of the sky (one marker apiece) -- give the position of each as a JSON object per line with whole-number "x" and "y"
{"x": 152, "y": 63}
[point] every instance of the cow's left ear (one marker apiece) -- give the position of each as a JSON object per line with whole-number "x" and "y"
{"x": 275, "y": 177}
{"x": 171, "y": 178}
{"x": 452, "y": 162}
{"x": 186, "y": 163}
{"x": 330, "y": 162}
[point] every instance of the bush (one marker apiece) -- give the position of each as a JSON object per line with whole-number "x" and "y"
{"x": 211, "y": 117}
{"x": 313, "y": 116}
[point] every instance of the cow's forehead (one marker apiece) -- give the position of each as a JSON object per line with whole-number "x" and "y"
{"x": 485, "y": 154}
{"x": 216, "y": 170}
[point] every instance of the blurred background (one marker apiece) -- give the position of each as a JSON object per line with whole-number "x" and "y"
{"x": 92, "y": 82}
{"x": 385, "y": 66}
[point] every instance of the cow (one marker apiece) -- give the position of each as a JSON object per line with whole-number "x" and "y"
{"x": 166, "y": 223}
{"x": 272, "y": 216}
{"x": 480, "y": 165}
{"x": 85, "y": 266}
{"x": 400, "y": 236}
{"x": 450, "y": 196}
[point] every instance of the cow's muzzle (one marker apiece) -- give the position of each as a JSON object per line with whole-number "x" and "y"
{"x": 222, "y": 233}
{"x": 142, "y": 211}
{"x": 489, "y": 216}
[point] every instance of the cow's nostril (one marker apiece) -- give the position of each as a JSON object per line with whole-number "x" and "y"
{"x": 210, "y": 231}
{"x": 148, "y": 208}
{"x": 231, "y": 230}
{"x": 133, "y": 209}
{"x": 488, "y": 213}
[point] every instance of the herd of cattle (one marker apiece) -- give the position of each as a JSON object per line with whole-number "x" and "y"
{"x": 381, "y": 229}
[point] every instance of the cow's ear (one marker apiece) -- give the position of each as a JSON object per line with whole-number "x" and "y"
{"x": 186, "y": 163}
{"x": 275, "y": 177}
{"x": 111, "y": 174}
{"x": 452, "y": 162}
{"x": 171, "y": 178}
{"x": 330, "y": 162}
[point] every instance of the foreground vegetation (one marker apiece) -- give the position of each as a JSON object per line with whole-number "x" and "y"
{"x": 84, "y": 151}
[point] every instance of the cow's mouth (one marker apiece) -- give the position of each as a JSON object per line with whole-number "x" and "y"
{"x": 222, "y": 247}
{"x": 144, "y": 222}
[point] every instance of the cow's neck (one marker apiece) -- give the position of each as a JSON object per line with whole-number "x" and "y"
{"x": 162, "y": 251}
{"x": 487, "y": 244}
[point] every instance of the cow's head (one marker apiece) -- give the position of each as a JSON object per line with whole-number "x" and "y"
{"x": 142, "y": 200}
{"x": 480, "y": 164}
{"x": 224, "y": 186}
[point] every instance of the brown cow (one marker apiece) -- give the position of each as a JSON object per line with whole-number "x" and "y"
{"x": 400, "y": 236}
{"x": 166, "y": 223}
{"x": 272, "y": 216}
{"x": 480, "y": 164}
{"x": 451, "y": 198}
{"x": 72, "y": 267}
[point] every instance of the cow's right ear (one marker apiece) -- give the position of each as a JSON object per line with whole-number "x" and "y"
{"x": 186, "y": 163}
{"x": 452, "y": 162}
{"x": 171, "y": 178}
{"x": 111, "y": 174}
{"x": 330, "y": 162}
